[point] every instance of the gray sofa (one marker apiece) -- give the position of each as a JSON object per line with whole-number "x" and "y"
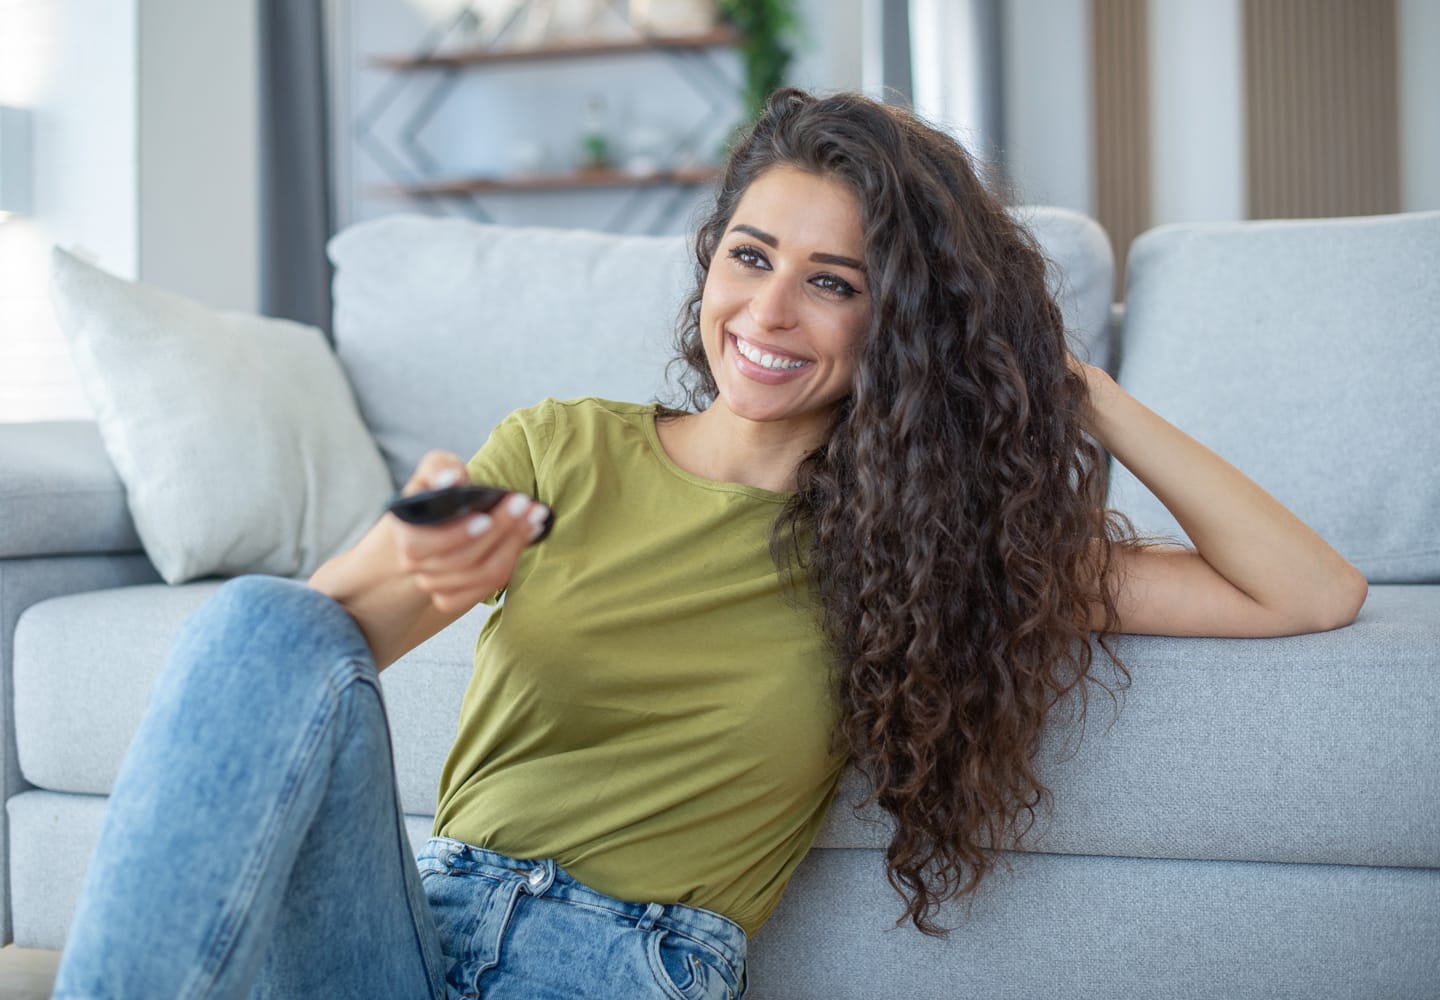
{"x": 1248, "y": 819}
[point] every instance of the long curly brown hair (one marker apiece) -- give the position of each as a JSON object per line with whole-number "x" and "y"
{"x": 953, "y": 526}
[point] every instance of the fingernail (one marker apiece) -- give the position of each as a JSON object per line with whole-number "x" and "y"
{"x": 517, "y": 504}
{"x": 479, "y": 524}
{"x": 538, "y": 514}
{"x": 447, "y": 478}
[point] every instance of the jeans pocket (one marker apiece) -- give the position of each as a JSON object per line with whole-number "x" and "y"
{"x": 472, "y": 912}
{"x": 687, "y": 970}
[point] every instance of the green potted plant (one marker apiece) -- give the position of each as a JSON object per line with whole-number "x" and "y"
{"x": 765, "y": 27}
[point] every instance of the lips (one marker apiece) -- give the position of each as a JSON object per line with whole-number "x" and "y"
{"x": 765, "y": 358}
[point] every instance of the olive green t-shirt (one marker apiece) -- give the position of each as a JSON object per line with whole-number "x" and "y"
{"x": 651, "y": 705}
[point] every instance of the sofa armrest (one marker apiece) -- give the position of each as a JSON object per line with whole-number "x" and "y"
{"x": 59, "y": 494}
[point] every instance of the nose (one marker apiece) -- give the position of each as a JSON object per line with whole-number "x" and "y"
{"x": 774, "y": 305}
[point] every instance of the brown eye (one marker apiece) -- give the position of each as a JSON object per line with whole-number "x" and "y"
{"x": 834, "y": 285}
{"x": 748, "y": 256}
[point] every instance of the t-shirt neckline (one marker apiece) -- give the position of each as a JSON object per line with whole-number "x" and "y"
{"x": 652, "y": 435}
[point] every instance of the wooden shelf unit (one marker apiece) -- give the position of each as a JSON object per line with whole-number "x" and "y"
{"x": 689, "y": 54}
{"x": 561, "y": 50}
{"x": 574, "y": 181}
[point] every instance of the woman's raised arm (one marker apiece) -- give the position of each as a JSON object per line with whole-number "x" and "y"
{"x": 1256, "y": 569}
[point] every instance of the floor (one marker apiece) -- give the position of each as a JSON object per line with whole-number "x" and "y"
{"x": 26, "y": 974}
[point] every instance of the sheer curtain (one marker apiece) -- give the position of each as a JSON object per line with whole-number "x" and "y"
{"x": 955, "y": 60}
{"x": 885, "y": 55}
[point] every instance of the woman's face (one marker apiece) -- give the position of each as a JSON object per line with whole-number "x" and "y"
{"x": 785, "y": 303}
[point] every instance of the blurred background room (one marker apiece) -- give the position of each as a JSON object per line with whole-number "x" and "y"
{"x": 210, "y": 147}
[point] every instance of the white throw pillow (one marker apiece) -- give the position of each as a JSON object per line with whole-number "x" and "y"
{"x": 237, "y": 436}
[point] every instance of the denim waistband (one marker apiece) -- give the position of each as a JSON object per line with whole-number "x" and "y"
{"x": 543, "y": 877}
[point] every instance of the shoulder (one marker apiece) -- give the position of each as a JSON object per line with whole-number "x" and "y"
{"x": 595, "y": 408}
{"x": 591, "y": 415}
{"x": 550, "y": 412}
{"x": 586, "y": 424}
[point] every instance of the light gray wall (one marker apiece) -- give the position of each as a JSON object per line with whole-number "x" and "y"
{"x": 1048, "y": 129}
{"x": 1419, "y": 104}
{"x": 828, "y": 53}
{"x": 198, "y": 152}
{"x": 1197, "y": 113}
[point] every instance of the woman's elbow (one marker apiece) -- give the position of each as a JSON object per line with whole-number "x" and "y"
{"x": 1343, "y": 599}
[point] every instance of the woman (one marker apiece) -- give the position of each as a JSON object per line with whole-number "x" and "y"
{"x": 876, "y": 536}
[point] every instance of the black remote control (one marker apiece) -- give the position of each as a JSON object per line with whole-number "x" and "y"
{"x": 439, "y": 506}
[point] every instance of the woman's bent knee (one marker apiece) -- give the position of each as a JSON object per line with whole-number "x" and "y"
{"x": 274, "y": 628}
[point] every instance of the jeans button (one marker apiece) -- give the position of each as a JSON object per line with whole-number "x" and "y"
{"x": 536, "y": 876}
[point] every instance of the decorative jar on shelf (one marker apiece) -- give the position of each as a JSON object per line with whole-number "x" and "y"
{"x": 673, "y": 17}
{"x": 645, "y": 148}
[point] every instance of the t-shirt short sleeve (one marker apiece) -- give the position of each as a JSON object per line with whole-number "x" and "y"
{"x": 512, "y": 456}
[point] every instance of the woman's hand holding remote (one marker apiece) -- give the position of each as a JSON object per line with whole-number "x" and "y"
{"x": 469, "y": 558}
{"x": 403, "y": 583}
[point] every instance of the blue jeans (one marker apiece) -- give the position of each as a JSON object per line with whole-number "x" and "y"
{"x": 254, "y": 845}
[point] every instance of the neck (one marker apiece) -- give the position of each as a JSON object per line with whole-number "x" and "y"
{"x": 716, "y": 444}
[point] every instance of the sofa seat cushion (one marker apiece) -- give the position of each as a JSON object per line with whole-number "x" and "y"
{"x": 1076, "y": 926}
{"x": 1315, "y": 748}
{"x": 1318, "y": 749}
{"x": 1046, "y": 925}
{"x": 79, "y": 701}
{"x": 82, "y": 672}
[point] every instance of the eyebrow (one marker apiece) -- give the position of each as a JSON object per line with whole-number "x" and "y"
{"x": 819, "y": 258}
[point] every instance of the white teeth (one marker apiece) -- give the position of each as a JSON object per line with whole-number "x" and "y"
{"x": 765, "y": 360}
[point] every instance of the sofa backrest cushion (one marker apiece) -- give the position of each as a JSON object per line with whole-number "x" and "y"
{"x": 1308, "y": 354}
{"x": 444, "y": 326}
{"x": 1082, "y": 275}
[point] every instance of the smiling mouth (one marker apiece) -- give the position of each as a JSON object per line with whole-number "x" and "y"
{"x": 767, "y": 359}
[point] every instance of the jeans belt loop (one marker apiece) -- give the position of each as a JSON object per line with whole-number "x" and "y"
{"x": 652, "y": 913}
